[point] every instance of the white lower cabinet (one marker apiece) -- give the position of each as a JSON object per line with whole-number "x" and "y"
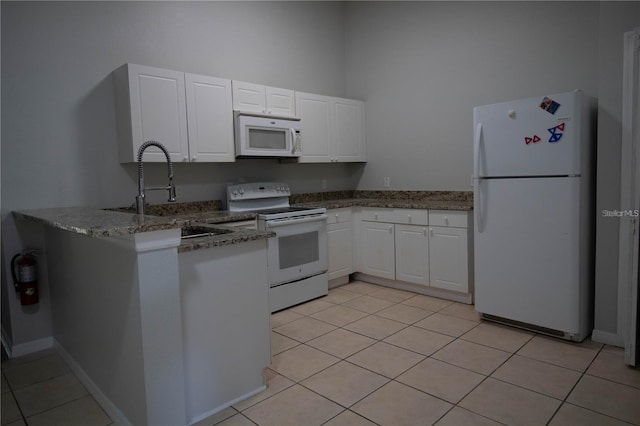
{"x": 377, "y": 249}
{"x": 448, "y": 258}
{"x": 340, "y": 243}
{"x": 412, "y": 254}
{"x": 432, "y": 251}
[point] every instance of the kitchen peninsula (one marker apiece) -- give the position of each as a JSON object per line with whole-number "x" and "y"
{"x": 161, "y": 330}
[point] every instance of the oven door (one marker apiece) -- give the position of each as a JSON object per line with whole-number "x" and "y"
{"x": 298, "y": 250}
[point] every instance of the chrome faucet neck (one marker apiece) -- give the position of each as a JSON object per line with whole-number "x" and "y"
{"x": 140, "y": 198}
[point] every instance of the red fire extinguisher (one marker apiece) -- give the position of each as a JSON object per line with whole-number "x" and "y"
{"x": 26, "y": 281}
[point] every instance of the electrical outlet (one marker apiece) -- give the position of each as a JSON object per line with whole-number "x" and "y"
{"x": 178, "y": 191}
{"x": 324, "y": 184}
{"x": 387, "y": 182}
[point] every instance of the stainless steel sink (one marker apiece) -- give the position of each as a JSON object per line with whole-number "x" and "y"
{"x": 202, "y": 231}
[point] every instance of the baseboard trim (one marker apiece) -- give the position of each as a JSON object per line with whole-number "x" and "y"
{"x": 607, "y": 338}
{"x": 29, "y": 347}
{"x": 109, "y": 407}
{"x": 6, "y": 343}
{"x": 216, "y": 410}
{"x": 427, "y": 291}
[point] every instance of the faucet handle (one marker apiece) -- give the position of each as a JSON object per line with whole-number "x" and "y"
{"x": 172, "y": 193}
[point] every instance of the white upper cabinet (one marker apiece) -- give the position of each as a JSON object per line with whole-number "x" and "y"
{"x": 259, "y": 99}
{"x": 190, "y": 115}
{"x": 332, "y": 129}
{"x": 317, "y": 133}
{"x": 209, "y": 119}
{"x": 349, "y": 127}
{"x": 151, "y": 107}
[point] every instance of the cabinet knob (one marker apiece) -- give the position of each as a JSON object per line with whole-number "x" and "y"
{"x": 424, "y": 231}
{"x": 375, "y": 216}
{"x": 446, "y": 220}
{"x": 185, "y": 158}
{"x": 409, "y": 218}
{"x": 390, "y": 228}
{"x": 194, "y": 158}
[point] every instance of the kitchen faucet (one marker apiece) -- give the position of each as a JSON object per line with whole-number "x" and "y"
{"x": 141, "y": 188}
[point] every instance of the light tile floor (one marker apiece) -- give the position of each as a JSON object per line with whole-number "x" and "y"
{"x": 366, "y": 355}
{"x": 39, "y": 389}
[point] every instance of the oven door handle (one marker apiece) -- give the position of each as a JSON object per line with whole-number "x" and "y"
{"x": 289, "y": 221}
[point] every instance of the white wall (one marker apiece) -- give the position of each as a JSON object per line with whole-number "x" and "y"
{"x": 616, "y": 18}
{"x": 59, "y": 129}
{"x": 421, "y": 67}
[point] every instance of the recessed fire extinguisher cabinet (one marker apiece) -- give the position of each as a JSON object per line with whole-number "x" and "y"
{"x": 26, "y": 279}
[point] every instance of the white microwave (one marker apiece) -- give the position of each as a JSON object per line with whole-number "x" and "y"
{"x": 267, "y": 136}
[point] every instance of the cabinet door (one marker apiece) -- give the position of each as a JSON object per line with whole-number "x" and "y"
{"x": 350, "y": 130}
{"x": 280, "y": 101}
{"x": 377, "y": 249}
{"x": 448, "y": 267}
{"x": 209, "y": 118}
{"x": 157, "y": 111}
{"x": 340, "y": 246}
{"x": 412, "y": 254}
{"x": 315, "y": 112}
{"x": 249, "y": 97}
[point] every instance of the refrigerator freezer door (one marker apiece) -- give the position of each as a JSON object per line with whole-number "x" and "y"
{"x": 526, "y": 254}
{"x": 521, "y": 138}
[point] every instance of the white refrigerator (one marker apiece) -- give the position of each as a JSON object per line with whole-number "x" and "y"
{"x": 534, "y": 213}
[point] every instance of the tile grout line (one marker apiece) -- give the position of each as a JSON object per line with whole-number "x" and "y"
{"x": 389, "y": 380}
{"x": 582, "y": 375}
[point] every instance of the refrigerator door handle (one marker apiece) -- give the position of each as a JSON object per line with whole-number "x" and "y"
{"x": 476, "y": 151}
{"x": 479, "y": 205}
{"x": 477, "y": 196}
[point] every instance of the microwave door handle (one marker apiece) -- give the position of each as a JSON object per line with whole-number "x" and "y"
{"x": 293, "y": 140}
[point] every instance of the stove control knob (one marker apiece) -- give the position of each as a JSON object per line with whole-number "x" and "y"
{"x": 234, "y": 192}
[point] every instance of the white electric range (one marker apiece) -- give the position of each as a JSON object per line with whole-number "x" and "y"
{"x": 297, "y": 255}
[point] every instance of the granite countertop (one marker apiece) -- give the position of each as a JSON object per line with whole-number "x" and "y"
{"x": 118, "y": 222}
{"x": 124, "y": 221}
{"x": 391, "y": 203}
{"x": 434, "y": 200}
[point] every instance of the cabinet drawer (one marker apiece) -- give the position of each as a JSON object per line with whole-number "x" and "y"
{"x": 402, "y": 216}
{"x": 452, "y": 218}
{"x": 411, "y": 216}
{"x": 377, "y": 215}
{"x": 338, "y": 216}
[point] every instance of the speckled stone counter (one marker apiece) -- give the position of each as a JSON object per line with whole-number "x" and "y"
{"x": 434, "y": 200}
{"x": 124, "y": 221}
{"x": 96, "y": 222}
{"x": 116, "y": 222}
